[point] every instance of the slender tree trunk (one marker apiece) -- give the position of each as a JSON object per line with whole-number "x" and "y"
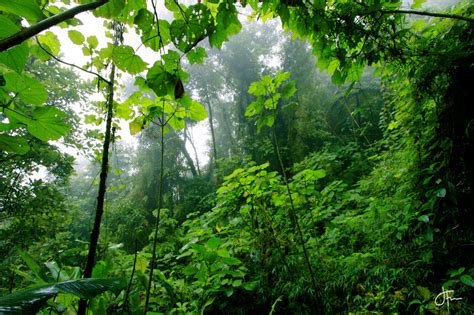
{"x": 182, "y": 146}
{"x": 157, "y": 221}
{"x": 293, "y": 216}
{"x": 195, "y": 153}
{"x": 94, "y": 239}
{"x": 211, "y": 125}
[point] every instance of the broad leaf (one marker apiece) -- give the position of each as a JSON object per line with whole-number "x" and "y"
{"x": 289, "y": 89}
{"x": 126, "y": 60}
{"x": 31, "y": 300}
{"x": 467, "y": 280}
{"x": 14, "y": 58}
{"x": 257, "y": 89}
{"x": 161, "y": 81}
{"x": 136, "y": 126}
{"x": 32, "y": 265}
{"x": 25, "y": 8}
{"x": 92, "y": 41}
{"x": 27, "y": 89}
{"x": 112, "y": 9}
{"x": 214, "y": 242}
{"x": 76, "y": 37}
{"x": 196, "y": 55}
{"x": 14, "y": 144}
{"x": 50, "y": 42}
{"x": 48, "y": 124}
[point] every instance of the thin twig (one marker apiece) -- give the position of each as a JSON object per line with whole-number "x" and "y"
{"x": 71, "y": 64}
{"x": 426, "y": 13}
{"x": 131, "y": 277}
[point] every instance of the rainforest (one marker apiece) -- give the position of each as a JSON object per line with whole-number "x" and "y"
{"x": 236, "y": 157}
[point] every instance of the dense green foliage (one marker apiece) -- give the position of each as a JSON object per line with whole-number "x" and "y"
{"x": 335, "y": 188}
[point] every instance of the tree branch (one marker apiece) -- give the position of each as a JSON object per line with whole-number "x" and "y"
{"x": 71, "y": 64}
{"x": 426, "y": 13}
{"x": 42, "y": 25}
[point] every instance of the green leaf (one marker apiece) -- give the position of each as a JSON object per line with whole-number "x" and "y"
{"x": 14, "y": 144}
{"x": 50, "y": 42}
{"x": 48, "y": 124}
{"x": 14, "y": 58}
{"x": 31, "y": 300}
{"x": 29, "y": 9}
{"x": 160, "y": 81}
{"x": 126, "y": 60}
{"x": 232, "y": 261}
{"x": 217, "y": 38}
{"x": 32, "y": 265}
{"x": 254, "y": 108}
{"x": 257, "y": 89}
{"x": 417, "y": 4}
{"x": 214, "y": 242}
{"x": 76, "y": 37}
{"x": 250, "y": 285}
{"x": 223, "y": 253}
{"x": 424, "y": 292}
{"x": 196, "y": 55}
{"x": 339, "y": 76}
{"x": 467, "y": 280}
{"x": 196, "y": 112}
{"x": 92, "y": 41}
{"x": 136, "y": 126}
{"x": 177, "y": 123}
{"x": 113, "y": 8}
{"x": 272, "y": 103}
{"x": 39, "y": 53}
{"x": 171, "y": 59}
{"x": 441, "y": 193}
{"x": 124, "y": 111}
{"x": 424, "y": 218}
{"x": 171, "y": 5}
{"x": 281, "y": 77}
{"x": 227, "y": 18}
{"x": 27, "y": 89}
{"x": 289, "y": 89}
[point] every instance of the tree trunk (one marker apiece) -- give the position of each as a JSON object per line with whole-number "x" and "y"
{"x": 94, "y": 239}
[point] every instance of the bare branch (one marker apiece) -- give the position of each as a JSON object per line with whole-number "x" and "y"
{"x": 71, "y": 64}
{"x": 433, "y": 14}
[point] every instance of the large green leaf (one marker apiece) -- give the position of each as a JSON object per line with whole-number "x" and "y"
{"x": 27, "y": 89}
{"x": 50, "y": 42}
{"x": 14, "y": 58}
{"x": 31, "y": 300}
{"x": 161, "y": 81}
{"x": 112, "y": 9}
{"x": 196, "y": 112}
{"x": 14, "y": 144}
{"x": 28, "y": 9}
{"x": 32, "y": 265}
{"x": 197, "y": 55}
{"x": 48, "y": 124}
{"x": 45, "y": 124}
{"x": 126, "y": 59}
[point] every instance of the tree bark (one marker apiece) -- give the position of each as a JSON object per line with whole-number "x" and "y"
{"x": 211, "y": 125}
{"x": 94, "y": 239}
{"x": 42, "y": 25}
